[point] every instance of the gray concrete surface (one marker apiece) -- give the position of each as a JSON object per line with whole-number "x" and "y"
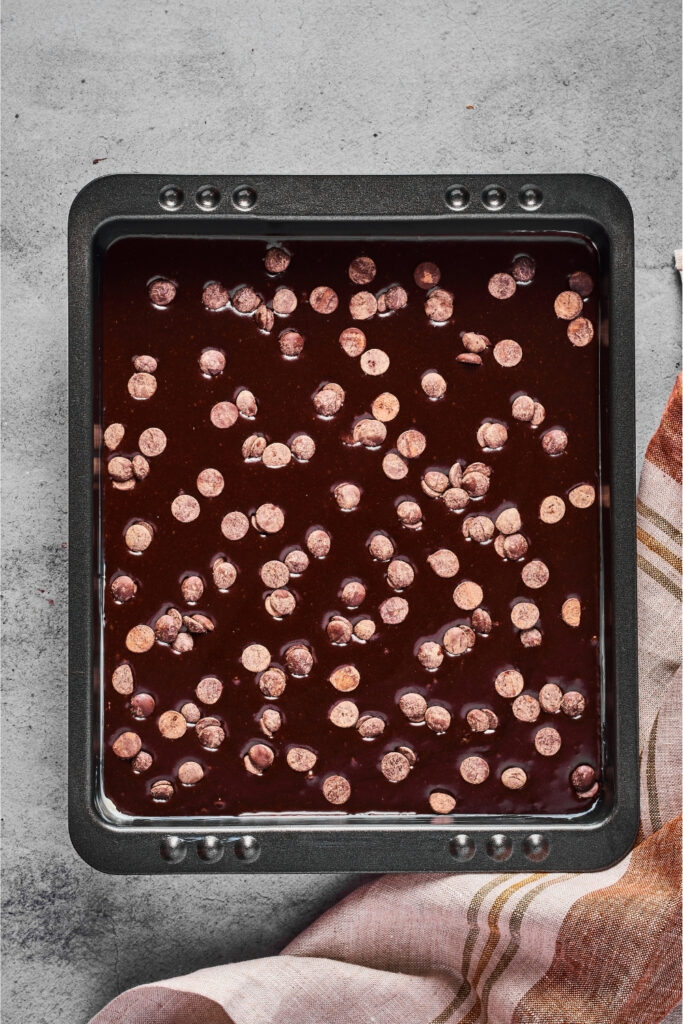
{"x": 162, "y": 85}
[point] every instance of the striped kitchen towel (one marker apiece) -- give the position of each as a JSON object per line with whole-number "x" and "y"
{"x": 600, "y": 948}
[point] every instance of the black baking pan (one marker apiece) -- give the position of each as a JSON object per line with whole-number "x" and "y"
{"x": 436, "y": 208}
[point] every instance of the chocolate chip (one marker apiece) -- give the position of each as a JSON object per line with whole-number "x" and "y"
{"x": 374, "y": 362}
{"x": 152, "y": 442}
{"x": 547, "y": 741}
{"x": 482, "y": 720}
{"x": 344, "y": 714}
{"x": 438, "y": 718}
{"x": 524, "y": 614}
{"x": 409, "y": 513}
{"x": 507, "y": 352}
{"x": 353, "y": 593}
{"x": 272, "y": 682}
{"x": 323, "y": 300}
{"x": 475, "y": 483}
{"x": 175, "y": 615}
{"x": 523, "y": 269}
{"x": 336, "y": 789}
{"x": 318, "y": 542}
{"x": 581, "y": 282}
{"x": 370, "y": 726}
{"x": 211, "y": 736}
{"x": 514, "y": 546}
{"x": 284, "y": 301}
{"x": 258, "y": 758}
{"x": 274, "y": 574}
{"x": 255, "y": 658}
{"x": 411, "y": 443}
{"x": 127, "y": 745}
{"x": 140, "y": 466}
{"x": 474, "y": 770}
{"x": 364, "y": 629}
{"x": 468, "y": 595}
{"x": 276, "y": 260}
{"x": 433, "y": 385}
{"x": 434, "y": 483}
{"x": 264, "y": 317}
{"x": 394, "y": 466}
{"x": 531, "y": 638}
{"x": 246, "y": 403}
{"x": 166, "y": 629}
{"x": 224, "y": 573}
{"x": 345, "y": 678}
{"x": 161, "y": 291}
{"x": 122, "y": 679}
{"x": 190, "y": 773}
{"x": 458, "y": 639}
{"x": 583, "y": 777}
{"x": 210, "y": 483}
{"x": 502, "y": 286}
{"x": 395, "y": 766}
{"x": 580, "y": 332}
{"x": 535, "y": 574}
{"x": 514, "y": 778}
{"x": 270, "y": 721}
{"x": 469, "y": 357}
{"x": 347, "y": 496}
{"x": 552, "y": 509}
{"x": 400, "y": 574}
{"x": 353, "y": 341}
{"x": 413, "y": 706}
{"x": 362, "y": 306}
{"x": 215, "y": 296}
{"x": 395, "y": 297}
{"x": 291, "y": 344}
{"x": 554, "y": 441}
{"x": 171, "y": 725}
{"x": 142, "y": 762}
{"x": 269, "y": 518}
{"x": 297, "y": 561}
{"x": 142, "y": 386}
{"x": 205, "y": 723}
{"x": 224, "y": 415}
{"x": 426, "y": 275}
{"x": 571, "y": 612}
{"x": 162, "y": 790}
{"x": 441, "y": 803}
{"x": 209, "y": 690}
{"x": 370, "y": 432}
{"x": 123, "y": 588}
{"x": 120, "y": 468}
{"x": 212, "y": 362}
{"x": 523, "y": 408}
{"x": 302, "y": 447}
{"x": 568, "y": 305}
{"x": 339, "y": 630}
{"x": 246, "y": 300}
{"x": 582, "y": 496}
{"x": 113, "y": 435}
{"x": 478, "y": 528}
{"x": 430, "y": 655}
{"x": 385, "y": 407}
{"x": 190, "y": 713}
{"x": 538, "y": 416}
{"x": 362, "y": 270}
{"x": 185, "y": 508}
{"x": 526, "y": 708}
{"x": 439, "y": 305}
{"x": 276, "y": 455}
{"x": 550, "y": 697}
{"x": 280, "y": 603}
{"x": 509, "y": 683}
{"x": 573, "y": 704}
{"x": 140, "y": 639}
{"x": 481, "y": 621}
{"x": 299, "y": 660}
{"x": 474, "y": 342}
{"x": 329, "y": 399}
{"x": 381, "y": 547}
{"x": 301, "y": 759}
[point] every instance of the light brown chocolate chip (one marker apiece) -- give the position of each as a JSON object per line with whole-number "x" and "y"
{"x": 474, "y": 770}
{"x": 433, "y": 385}
{"x": 264, "y": 317}
{"x": 441, "y": 803}
{"x": 319, "y": 542}
{"x": 554, "y": 441}
{"x": 276, "y": 455}
{"x": 364, "y": 629}
{"x": 344, "y": 714}
{"x": 507, "y": 352}
{"x": 258, "y": 758}
{"x": 434, "y": 483}
{"x": 336, "y": 789}
{"x": 514, "y": 778}
{"x": 209, "y": 690}
{"x": 438, "y": 718}
{"x": 198, "y": 623}
{"x": 468, "y": 595}
{"x": 205, "y": 723}
{"x": 190, "y": 713}
{"x": 120, "y": 468}
{"x": 123, "y": 588}
{"x": 140, "y": 466}
{"x": 113, "y": 435}
{"x": 272, "y": 682}
{"x": 571, "y": 612}
{"x": 246, "y": 300}
{"x": 274, "y": 574}
{"x": 142, "y": 386}
{"x": 475, "y": 342}
{"x": 190, "y": 773}
{"x": 362, "y": 270}
{"x": 524, "y": 614}
{"x": 276, "y": 260}
{"x": 409, "y": 513}
{"x": 509, "y": 683}
{"x": 353, "y": 341}
{"x": 535, "y": 574}
{"x": 291, "y": 344}
{"x": 122, "y": 679}
{"x": 161, "y": 291}
{"x": 328, "y": 400}
{"x": 411, "y": 443}
{"x": 426, "y": 275}
{"x": 394, "y": 466}
{"x": 582, "y": 496}
{"x": 212, "y": 362}
{"x": 362, "y": 306}
{"x": 444, "y": 562}
{"x": 302, "y": 447}
{"x": 538, "y": 416}
{"x": 573, "y": 704}
{"x": 280, "y": 603}
{"x": 552, "y": 509}
{"x": 470, "y": 358}
{"x": 583, "y": 777}
{"x": 395, "y": 766}
{"x": 475, "y": 479}
{"x": 526, "y": 708}
{"x": 550, "y": 697}
{"x": 123, "y": 485}
{"x": 185, "y": 508}
{"x": 458, "y": 639}
{"x": 581, "y": 282}
{"x": 211, "y": 736}
{"x": 142, "y": 762}
{"x": 370, "y": 432}
{"x": 246, "y": 403}
{"x": 152, "y": 442}
{"x": 502, "y": 286}
{"x": 374, "y": 362}
{"x": 210, "y": 483}
{"x": 481, "y": 621}
{"x": 514, "y": 546}
{"x": 127, "y": 745}
{"x": 145, "y": 364}
{"x": 413, "y": 706}
{"x": 430, "y": 655}
{"x": 140, "y": 639}
{"x": 215, "y": 296}
{"x": 162, "y": 790}
{"x": 347, "y": 496}
{"x": 224, "y": 574}
{"x": 568, "y": 305}
{"x": 400, "y": 574}
{"x": 523, "y": 408}
{"x": 270, "y": 721}
{"x": 171, "y": 725}
{"x": 166, "y": 629}
{"x": 301, "y": 759}
{"x": 478, "y": 528}
{"x": 547, "y": 741}
{"x": 370, "y": 726}
{"x": 269, "y": 518}
{"x": 345, "y": 678}
{"x": 297, "y": 561}
{"x": 531, "y": 638}
{"x": 385, "y": 407}
{"x": 523, "y": 269}
{"x": 439, "y": 305}
{"x": 482, "y": 720}
{"x": 255, "y": 658}
{"x": 339, "y": 630}
{"x": 253, "y": 446}
{"x": 381, "y": 547}
{"x": 224, "y": 415}
{"x": 353, "y": 593}
{"x": 284, "y": 301}
{"x": 323, "y": 300}
{"x": 580, "y": 332}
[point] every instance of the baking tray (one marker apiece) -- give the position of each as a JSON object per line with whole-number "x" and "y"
{"x": 440, "y": 206}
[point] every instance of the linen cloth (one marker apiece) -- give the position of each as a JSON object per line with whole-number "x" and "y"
{"x": 599, "y": 948}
